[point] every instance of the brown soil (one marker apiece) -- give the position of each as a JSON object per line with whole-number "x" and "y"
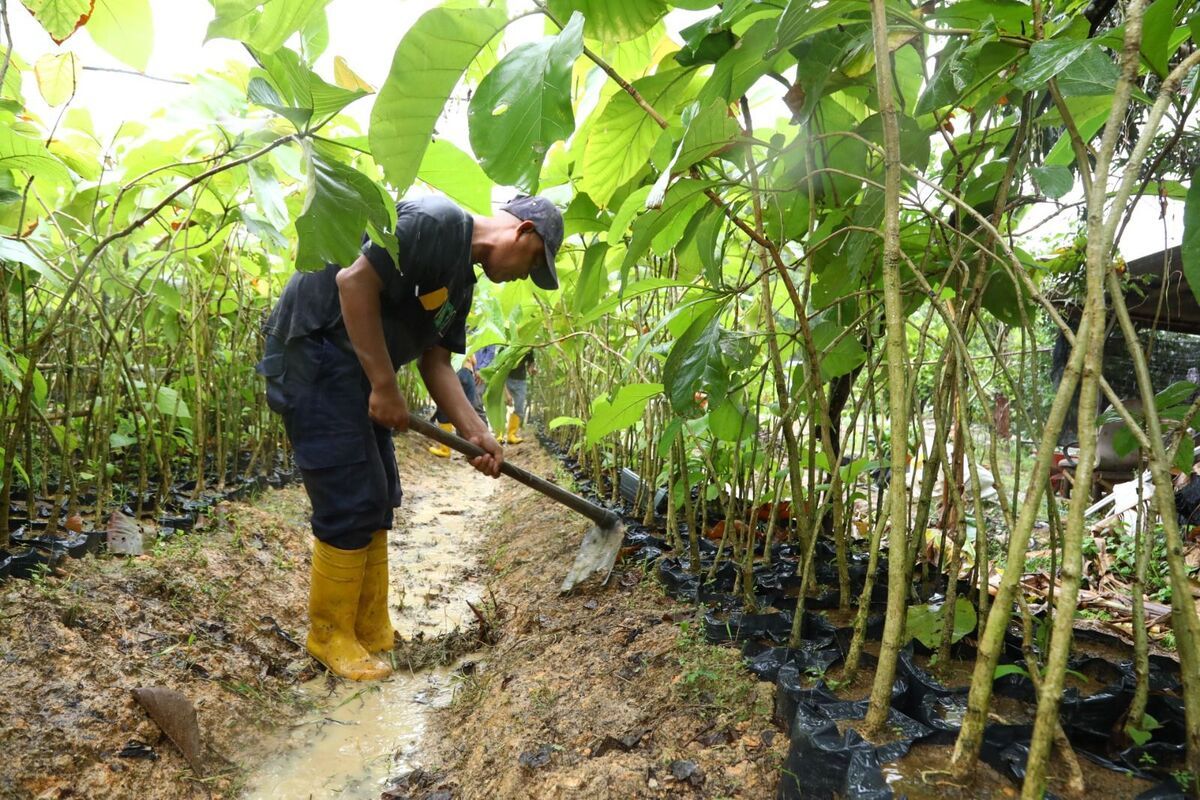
{"x": 605, "y": 694}
{"x": 208, "y": 614}
{"x": 951, "y": 673}
{"x": 924, "y": 774}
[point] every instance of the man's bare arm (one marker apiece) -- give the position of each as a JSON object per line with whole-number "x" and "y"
{"x": 359, "y": 288}
{"x": 446, "y": 390}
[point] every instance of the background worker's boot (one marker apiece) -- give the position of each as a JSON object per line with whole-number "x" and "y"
{"x": 514, "y": 422}
{"x": 337, "y": 577}
{"x": 440, "y": 450}
{"x": 373, "y": 626}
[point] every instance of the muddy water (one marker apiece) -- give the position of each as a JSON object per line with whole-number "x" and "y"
{"x": 363, "y": 733}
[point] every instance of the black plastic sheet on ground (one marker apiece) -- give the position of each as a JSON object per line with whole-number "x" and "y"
{"x": 823, "y": 762}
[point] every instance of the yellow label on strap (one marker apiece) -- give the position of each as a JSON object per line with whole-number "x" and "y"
{"x": 435, "y": 299}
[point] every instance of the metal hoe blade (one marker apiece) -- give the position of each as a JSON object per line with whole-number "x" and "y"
{"x": 597, "y": 554}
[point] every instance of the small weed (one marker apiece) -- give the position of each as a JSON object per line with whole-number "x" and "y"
{"x": 1185, "y": 779}
{"x": 469, "y": 690}
{"x": 543, "y": 698}
{"x": 712, "y": 676}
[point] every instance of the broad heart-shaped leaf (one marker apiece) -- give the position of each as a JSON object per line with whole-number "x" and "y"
{"x": 1190, "y": 248}
{"x": 838, "y": 356}
{"x": 427, "y": 64}
{"x": 295, "y": 92}
{"x": 1053, "y": 181}
{"x": 340, "y": 204}
{"x": 60, "y": 18}
{"x": 524, "y": 105}
{"x": 695, "y": 366}
{"x": 612, "y": 20}
{"x": 1047, "y": 59}
{"x": 455, "y": 174}
{"x": 125, "y": 29}
{"x": 622, "y": 410}
{"x": 263, "y": 24}
{"x": 623, "y": 134}
{"x": 729, "y": 421}
{"x": 30, "y": 156}
{"x": 57, "y": 77}
{"x": 924, "y": 622}
{"x": 1093, "y": 73}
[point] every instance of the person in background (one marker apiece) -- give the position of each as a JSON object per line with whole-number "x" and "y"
{"x": 467, "y": 376}
{"x": 518, "y": 389}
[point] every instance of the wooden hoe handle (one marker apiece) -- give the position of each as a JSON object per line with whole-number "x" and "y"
{"x": 601, "y": 516}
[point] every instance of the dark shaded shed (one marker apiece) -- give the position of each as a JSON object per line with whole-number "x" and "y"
{"x": 1166, "y": 314}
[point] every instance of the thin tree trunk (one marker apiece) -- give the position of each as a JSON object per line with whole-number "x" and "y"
{"x": 897, "y": 358}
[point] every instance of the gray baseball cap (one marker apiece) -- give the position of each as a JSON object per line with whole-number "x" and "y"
{"x": 548, "y": 222}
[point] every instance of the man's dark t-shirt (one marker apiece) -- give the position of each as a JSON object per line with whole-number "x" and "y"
{"x": 425, "y": 299}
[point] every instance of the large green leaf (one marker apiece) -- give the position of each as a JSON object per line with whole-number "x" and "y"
{"x": 1158, "y": 23}
{"x": 263, "y": 24}
{"x": 624, "y": 409}
{"x": 60, "y": 18}
{"x": 295, "y": 92}
{"x": 1053, "y": 181}
{"x": 682, "y": 201}
{"x": 612, "y": 20}
{"x": 427, "y": 64}
{"x": 593, "y": 278}
{"x": 839, "y": 356}
{"x": 57, "y": 77}
{"x": 30, "y": 156}
{"x": 268, "y": 192}
{"x": 1190, "y": 248}
{"x": 1093, "y": 73}
{"x": 340, "y": 204}
{"x": 925, "y": 622}
{"x": 800, "y": 20}
{"x": 623, "y": 134}
{"x": 125, "y": 28}
{"x": 729, "y": 421}
{"x": 695, "y": 366}
{"x": 524, "y": 105}
{"x": 1047, "y": 59}
{"x": 457, "y": 175}
{"x": 737, "y": 70}
{"x": 706, "y": 131}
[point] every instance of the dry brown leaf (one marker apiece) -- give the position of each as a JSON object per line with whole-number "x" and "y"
{"x": 175, "y": 714}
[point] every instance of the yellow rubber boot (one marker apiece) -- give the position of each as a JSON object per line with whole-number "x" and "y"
{"x": 440, "y": 450}
{"x": 337, "y": 577}
{"x": 514, "y": 423}
{"x": 373, "y": 626}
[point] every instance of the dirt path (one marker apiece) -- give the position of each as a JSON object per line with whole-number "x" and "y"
{"x": 359, "y": 735}
{"x": 220, "y": 615}
{"x": 611, "y": 694}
